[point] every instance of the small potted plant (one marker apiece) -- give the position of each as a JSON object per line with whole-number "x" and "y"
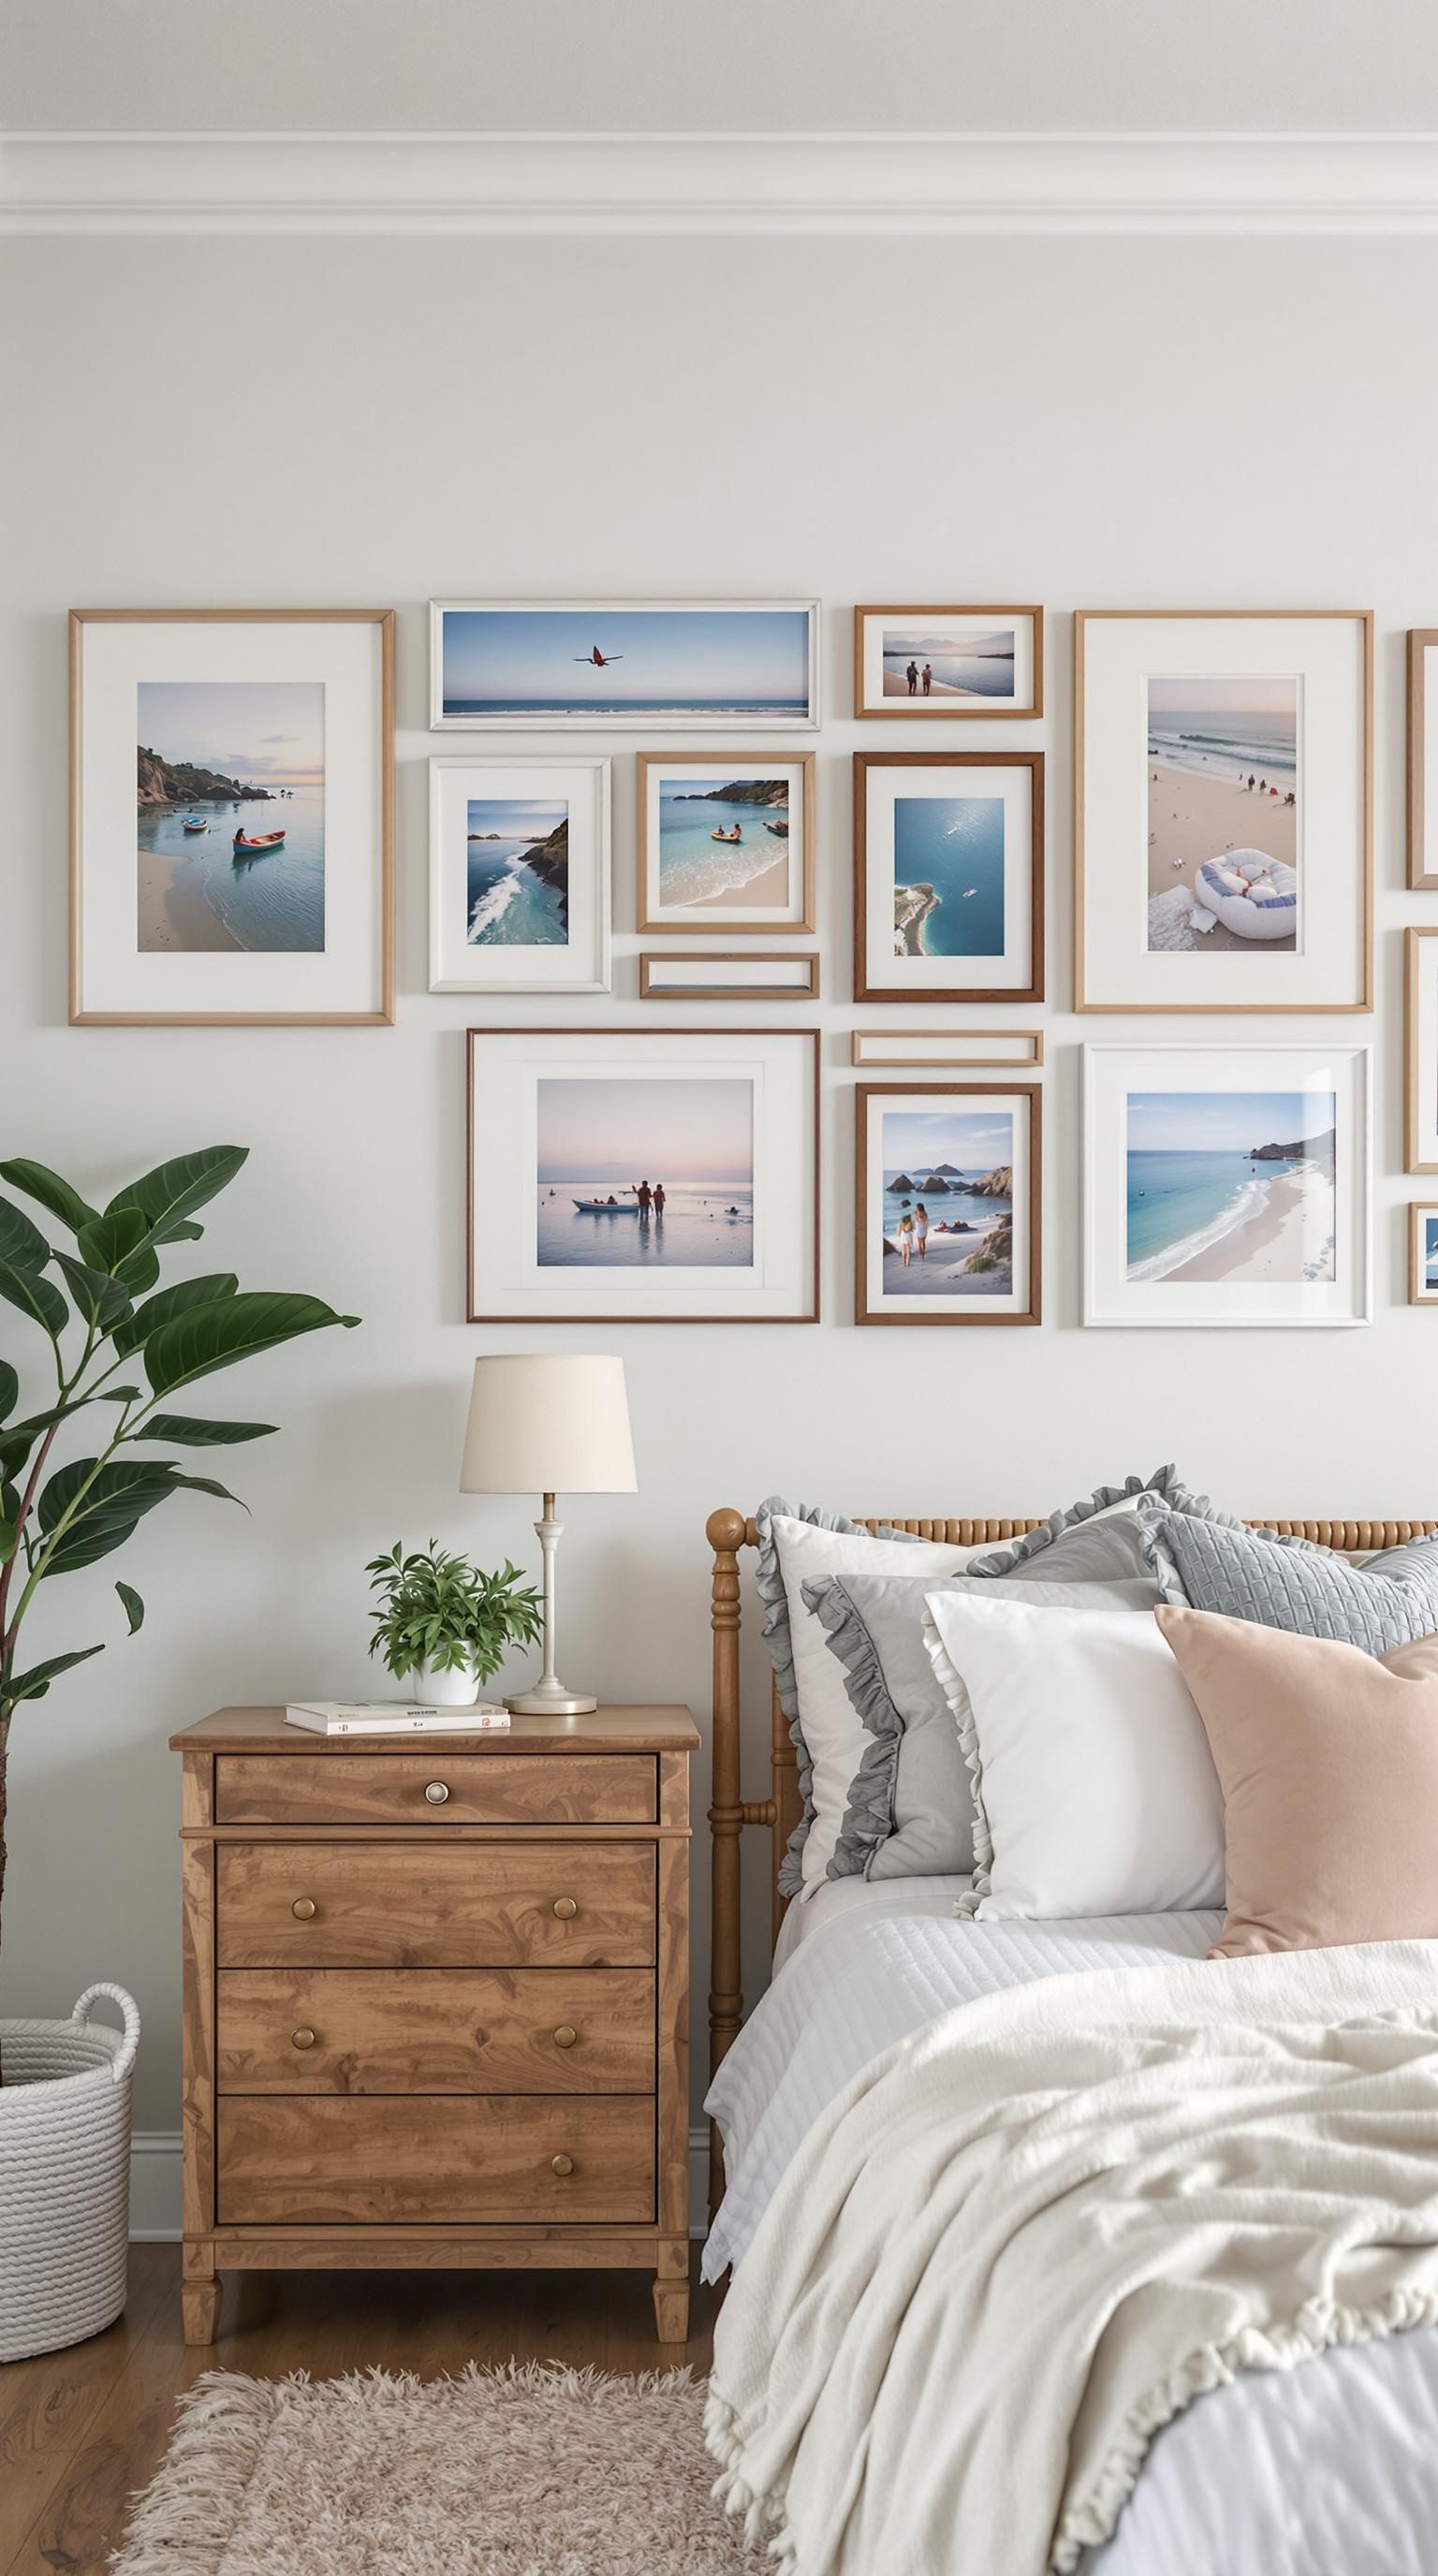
{"x": 442, "y": 1626}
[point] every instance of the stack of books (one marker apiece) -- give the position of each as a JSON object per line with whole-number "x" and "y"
{"x": 392, "y": 1717}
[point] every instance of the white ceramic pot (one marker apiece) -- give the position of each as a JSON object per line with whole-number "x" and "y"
{"x": 64, "y": 2176}
{"x": 447, "y": 1690}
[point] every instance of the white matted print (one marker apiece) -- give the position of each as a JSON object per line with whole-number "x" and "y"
{"x": 948, "y": 661}
{"x": 630, "y": 1176}
{"x": 726, "y": 843}
{"x": 948, "y": 877}
{"x": 519, "y": 876}
{"x": 1223, "y": 811}
{"x": 947, "y": 1204}
{"x": 1227, "y": 1185}
{"x": 650, "y": 664}
{"x": 230, "y": 832}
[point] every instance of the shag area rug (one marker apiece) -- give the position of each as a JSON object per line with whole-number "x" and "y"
{"x": 524, "y": 2471}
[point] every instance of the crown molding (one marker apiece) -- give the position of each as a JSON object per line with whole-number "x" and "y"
{"x": 719, "y": 183}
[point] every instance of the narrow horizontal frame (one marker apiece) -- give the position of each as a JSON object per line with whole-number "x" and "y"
{"x": 658, "y": 984}
{"x": 864, "y": 1092}
{"x": 957, "y": 1047}
{"x": 1422, "y": 640}
{"x": 930, "y": 709}
{"x": 584, "y": 720}
{"x": 1414, "y": 1160}
{"x": 1033, "y": 762}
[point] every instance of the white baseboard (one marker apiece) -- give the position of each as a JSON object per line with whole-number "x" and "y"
{"x": 155, "y": 2204}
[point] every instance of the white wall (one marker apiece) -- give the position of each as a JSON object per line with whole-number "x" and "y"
{"x": 308, "y": 422}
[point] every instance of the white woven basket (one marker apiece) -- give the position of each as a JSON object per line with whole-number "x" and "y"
{"x": 64, "y": 2175}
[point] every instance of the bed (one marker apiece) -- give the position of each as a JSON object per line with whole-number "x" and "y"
{"x": 1329, "y": 2470}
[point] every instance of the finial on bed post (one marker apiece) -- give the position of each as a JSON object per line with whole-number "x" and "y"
{"x": 726, "y": 1531}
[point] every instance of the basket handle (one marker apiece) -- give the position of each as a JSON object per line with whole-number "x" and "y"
{"x": 124, "y": 2057}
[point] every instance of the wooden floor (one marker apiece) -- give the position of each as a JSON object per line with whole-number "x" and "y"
{"x": 81, "y": 2431}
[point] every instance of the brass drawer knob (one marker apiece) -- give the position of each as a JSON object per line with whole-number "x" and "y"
{"x": 437, "y": 1792}
{"x": 303, "y": 2038}
{"x": 566, "y": 2035}
{"x": 562, "y": 2165}
{"x": 303, "y": 1909}
{"x": 564, "y": 1907}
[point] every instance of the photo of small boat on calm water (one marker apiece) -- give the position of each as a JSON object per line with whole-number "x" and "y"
{"x": 214, "y": 758}
{"x": 645, "y": 1175}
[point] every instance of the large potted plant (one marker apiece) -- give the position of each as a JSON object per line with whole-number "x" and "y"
{"x": 121, "y": 1348}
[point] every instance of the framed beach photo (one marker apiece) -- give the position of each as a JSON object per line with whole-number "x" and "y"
{"x": 1423, "y": 1256}
{"x": 519, "y": 876}
{"x": 726, "y": 842}
{"x": 649, "y": 665}
{"x": 231, "y": 849}
{"x": 1422, "y": 754}
{"x": 947, "y": 1204}
{"x": 1227, "y": 1185}
{"x": 643, "y": 1176}
{"x": 1420, "y": 1103}
{"x": 1223, "y": 810}
{"x": 949, "y": 876}
{"x": 948, "y": 662}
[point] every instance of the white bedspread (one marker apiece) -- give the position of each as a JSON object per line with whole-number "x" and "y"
{"x": 1332, "y": 2471}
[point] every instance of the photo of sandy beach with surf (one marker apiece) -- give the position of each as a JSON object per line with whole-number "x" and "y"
{"x": 588, "y": 665}
{"x": 724, "y": 842}
{"x": 1223, "y": 802}
{"x": 231, "y": 816}
{"x": 1232, "y": 1186}
{"x": 948, "y": 876}
{"x": 645, "y": 1174}
{"x": 949, "y": 663}
{"x": 948, "y": 1200}
{"x": 517, "y": 872}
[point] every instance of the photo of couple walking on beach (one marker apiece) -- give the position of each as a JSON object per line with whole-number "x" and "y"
{"x": 645, "y": 1175}
{"x": 949, "y": 663}
{"x": 1223, "y": 757}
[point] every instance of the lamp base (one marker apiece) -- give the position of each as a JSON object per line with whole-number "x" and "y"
{"x": 557, "y": 1702}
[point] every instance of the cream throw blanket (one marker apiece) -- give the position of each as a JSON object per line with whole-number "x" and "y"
{"x": 1025, "y": 2238}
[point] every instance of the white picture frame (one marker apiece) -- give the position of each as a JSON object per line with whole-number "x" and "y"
{"x": 716, "y": 665}
{"x": 470, "y": 799}
{"x": 1183, "y": 1223}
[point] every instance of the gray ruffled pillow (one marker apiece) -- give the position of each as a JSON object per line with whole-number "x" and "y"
{"x": 1292, "y": 1584}
{"x": 1096, "y": 1541}
{"x": 910, "y": 1810}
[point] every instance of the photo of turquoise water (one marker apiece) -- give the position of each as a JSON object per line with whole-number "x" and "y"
{"x": 694, "y": 867}
{"x": 949, "y": 876}
{"x": 1206, "y": 1179}
{"x": 517, "y": 872}
{"x": 198, "y": 892}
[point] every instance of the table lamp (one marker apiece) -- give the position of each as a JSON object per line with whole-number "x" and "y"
{"x": 548, "y": 1423}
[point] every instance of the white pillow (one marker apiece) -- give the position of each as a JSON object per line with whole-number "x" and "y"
{"x": 834, "y": 1734}
{"x": 1094, "y": 1786}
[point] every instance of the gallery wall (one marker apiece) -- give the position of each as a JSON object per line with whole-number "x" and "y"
{"x": 368, "y": 422}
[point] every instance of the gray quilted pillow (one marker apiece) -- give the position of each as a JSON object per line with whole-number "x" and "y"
{"x": 1095, "y": 1541}
{"x": 1291, "y": 1584}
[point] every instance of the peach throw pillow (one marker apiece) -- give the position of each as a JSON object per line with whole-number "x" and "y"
{"x": 1328, "y": 1762}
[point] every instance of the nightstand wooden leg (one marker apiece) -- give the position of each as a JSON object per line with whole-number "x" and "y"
{"x": 200, "y": 2301}
{"x": 671, "y": 2291}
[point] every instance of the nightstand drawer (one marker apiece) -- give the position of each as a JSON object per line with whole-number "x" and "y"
{"x": 401, "y": 1904}
{"x": 325, "y": 2162}
{"x": 437, "y": 1787}
{"x": 435, "y": 2030}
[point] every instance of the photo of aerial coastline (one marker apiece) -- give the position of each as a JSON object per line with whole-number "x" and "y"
{"x": 948, "y": 662}
{"x": 724, "y": 842}
{"x": 1223, "y": 807}
{"x": 948, "y": 876}
{"x": 231, "y": 831}
{"x": 517, "y": 872}
{"x": 947, "y": 1209}
{"x": 566, "y": 665}
{"x": 1231, "y": 1186}
{"x": 652, "y": 1174}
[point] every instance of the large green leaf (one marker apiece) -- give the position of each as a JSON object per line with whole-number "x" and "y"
{"x": 9, "y": 1390}
{"x": 39, "y": 1298}
{"x": 21, "y": 1242}
{"x": 171, "y": 1193}
{"x": 121, "y": 1493}
{"x": 207, "y": 1485}
{"x": 104, "y": 1245}
{"x": 139, "y": 1270}
{"x": 171, "y": 1302}
{"x": 193, "y": 1433}
{"x": 35, "y": 1683}
{"x": 98, "y": 1299}
{"x": 234, "y": 1328}
{"x": 134, "y": 1607}
{"x": 54, "y": 1194}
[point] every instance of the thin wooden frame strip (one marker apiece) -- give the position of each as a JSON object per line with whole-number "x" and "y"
{"x": 1086, "y": 617}
{"x": 864, "y": 1092}
{"x": 1421, "y": 640}
{"x": 945, "y": 1046}
{"x": 737, "y": 988}
{"x": 930, "y": 708}
{"x": 1413, "y": 944}
{"x": 1033, "y": 762}
{"x": 724, "y": 926}
{"x": 384, "y": 619}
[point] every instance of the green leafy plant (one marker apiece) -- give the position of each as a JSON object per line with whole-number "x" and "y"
{"x": 101, "y": 1308}
{"x": 438, "y": 1609}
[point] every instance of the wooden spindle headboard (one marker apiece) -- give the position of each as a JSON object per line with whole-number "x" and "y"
{"x": 728, "y": 1531}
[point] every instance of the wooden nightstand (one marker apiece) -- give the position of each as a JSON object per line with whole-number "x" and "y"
{"x": 436, "y": 2000}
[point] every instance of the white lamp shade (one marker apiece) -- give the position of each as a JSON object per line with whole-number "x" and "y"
{"x": 548, "y": 1423}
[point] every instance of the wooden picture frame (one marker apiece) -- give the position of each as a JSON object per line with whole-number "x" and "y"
{"x": 1422, "y": 1255}
{"x": 870, "y": 1098}
{"x": 1422, "y": 863}
{"x": 1025, "y": 703}
{"x": 1017, "y": 1050}
{"x": 1420, "y": 1050}
{"x": 1109, "y": 984}
{"x": 727, "y": 915}
{"x": 1023, "y": 885}
{"x": 782, "y": 1067}
{"x": 357, "y": 758}
{"x": 759, "y": 975}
